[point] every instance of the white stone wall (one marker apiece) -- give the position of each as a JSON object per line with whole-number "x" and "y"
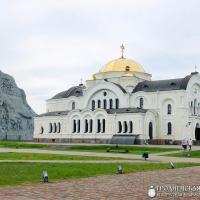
{"x": 182, "y": 117}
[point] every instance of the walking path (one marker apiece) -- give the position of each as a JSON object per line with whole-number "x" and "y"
{"x": 133, "y": 186}
{"x": 194, "y": 147}
{"x": 74, "y": 161}
{"x": 152, "y": 157}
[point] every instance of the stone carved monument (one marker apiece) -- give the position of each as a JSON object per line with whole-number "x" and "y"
{"x": 16, "y": 116}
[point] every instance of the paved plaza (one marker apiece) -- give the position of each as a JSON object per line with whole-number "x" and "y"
{"x": 116, "y": 187}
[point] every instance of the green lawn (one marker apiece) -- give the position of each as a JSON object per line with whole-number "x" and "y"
{"x": 42, "y": 156}
{"x": 23, "y": 173}
{"x": 93, "y": 148}
{"x": 121, "y": 149}
{"x": 16, "y": 145}
{"x": 191, "y": 154}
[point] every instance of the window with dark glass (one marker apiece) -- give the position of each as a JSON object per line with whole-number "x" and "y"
{"x": 41, "y": 130}
{"x": 86, "y": 125}
{"x": 117, "y": 103}
{"x": 169, "y": 109}
{"x": 93, "y": 104}
{"x": 141, "y": 102}
{"x": 73, "y": 105}
{"x": 130, "y": 127}
{"x": 125, "y": 127}
{"x": 119, "y": 127}
{"x": 127, "y": 68}
{"x": 99, "y": 103}
{"x": 59, "y": 127}
{"x": 54, "y": 128}
{"x": 91, "y": 125}
{"x": 50, "y": 128}
{"x": 169, "y": 132}
{"x": 111, "y": 103}
{"x": 79, "y": 126}
{"x": 74, "y": 126}
{"x": 104, "y": 104}
{"x": 98, "y": 126}
{"x": 104, "y": 125}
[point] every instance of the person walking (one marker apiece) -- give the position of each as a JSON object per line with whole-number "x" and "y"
{"x": 190, "y": 142}
{"x": 184, "y": 144}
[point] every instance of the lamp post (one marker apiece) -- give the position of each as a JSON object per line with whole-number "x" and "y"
{"x": 119, "y": 169}
{"x": 45, "y": 177}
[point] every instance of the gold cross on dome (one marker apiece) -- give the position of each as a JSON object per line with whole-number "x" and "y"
{"x": 122, "y": 50}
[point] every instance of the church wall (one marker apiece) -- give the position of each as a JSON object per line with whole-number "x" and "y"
{"x": 44, "y": 122}
{"x": 185, "y": 108}
{"x": 193, "y": 104}
{"x": 158, "y": 101}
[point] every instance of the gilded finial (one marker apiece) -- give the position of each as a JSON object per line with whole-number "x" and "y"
{"x": 122, "y": 50}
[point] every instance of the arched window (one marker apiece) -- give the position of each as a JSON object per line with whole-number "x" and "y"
{"x": 41, "y": 130}
{"x": 59, "y": 127}
{"x": 74, "y": 126}
{"x": 169, "y": 127}
{"x": 99, "y": 103}
{"x": 141, "y": 102}
{"x": 117, "y": 103}
{"x": 98, "y": 126}
{"x": 104, "y": 125}
{"x": 73, "y": 105}
{"x": 130, "y": 126}
{"x": 86, "y": 126}
{"x": 93, "y": 104}
{"x": 125, "y": 127}
{"x": 169, "y": 109}
{"x": 111, "y": 103}
{"x": 50, "y": 127}
{"x": 195, "y": 105}
{"x": 119, "y": 127}
{"x": 54, "y": 127}
{"x": 104, "y": 104}
{"x": 127, "y": 68}
{"x": 91, "y": 125}
{"x": 150, "y": 130}
{"x": 79, "y": 126}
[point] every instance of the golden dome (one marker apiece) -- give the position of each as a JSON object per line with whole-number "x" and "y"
{"x": 121, "y": 65}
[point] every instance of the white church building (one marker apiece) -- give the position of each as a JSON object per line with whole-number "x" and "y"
{"x": 122, "y": 100}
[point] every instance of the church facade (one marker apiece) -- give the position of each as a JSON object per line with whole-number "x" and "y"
{"x": 121, "y": 99}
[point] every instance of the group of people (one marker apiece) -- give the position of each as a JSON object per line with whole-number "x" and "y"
{"x": 186, "y": 143}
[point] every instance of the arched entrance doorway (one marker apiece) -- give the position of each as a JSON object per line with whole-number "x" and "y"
{"x": 197, "y": 132}
{"x": 150, "y": 130}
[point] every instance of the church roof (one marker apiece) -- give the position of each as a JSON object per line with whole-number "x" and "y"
{"x": 56, "y": 113}
{"x": 126, "y": 110}
{"x": 164, "y": 85}
{"x": 121, "y": 65}
{"x": 76, "y": 91}
{"x": 119, "y": 86}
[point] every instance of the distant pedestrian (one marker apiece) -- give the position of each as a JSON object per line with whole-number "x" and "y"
{"x": 190, "y": 143}
{"x": 184, "y": 144}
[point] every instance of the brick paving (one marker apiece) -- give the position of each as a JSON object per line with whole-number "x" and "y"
{"x": 116, "y": 187}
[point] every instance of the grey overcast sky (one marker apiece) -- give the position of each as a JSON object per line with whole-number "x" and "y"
{"x": 49, "y": 45}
